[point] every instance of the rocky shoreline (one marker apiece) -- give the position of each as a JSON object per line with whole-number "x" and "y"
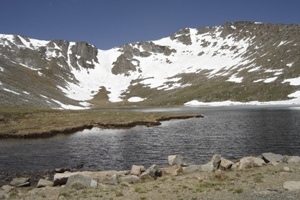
{"x": 269, "y": 176}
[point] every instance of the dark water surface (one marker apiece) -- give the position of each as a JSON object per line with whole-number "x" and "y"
{"x": 230, "y": 131}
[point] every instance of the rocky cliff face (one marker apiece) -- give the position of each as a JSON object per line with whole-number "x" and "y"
{"x": 242, "y": 61}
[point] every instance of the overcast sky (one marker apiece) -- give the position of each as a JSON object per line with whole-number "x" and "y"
{"x": 111, "y": 23}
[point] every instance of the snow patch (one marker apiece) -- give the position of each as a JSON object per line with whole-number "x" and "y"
{"x": 282, "y": 43}
{"x": 254, "y": 69}
{"x": 235, "y": 79}
{"x": 135, "y": 99}
{"x": 269, "y": 80}
{"x": 11, "y": 91}
{"x": 64, "y": 106}
{"x": 295, "y": 94}
{"x": 293, "y": 81}
{"x": 258, "y": 80}
{"x": 290, "y": 64}
{"x": 295, "y": 101}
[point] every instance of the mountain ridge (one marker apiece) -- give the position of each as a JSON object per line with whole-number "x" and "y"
{"x": 239, "y": 61}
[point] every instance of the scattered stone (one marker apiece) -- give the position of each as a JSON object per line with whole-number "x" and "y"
{"x": 146, "y": 176}
{"x": 20, "y": 182}
{"x": 129, "y": 179}
{"x": 271, "y": 157}
{"x": 178, "y": 171}
{"x": 293, "y": 159}
{"x": 44, "y": 183}
{"x": 249, "y": 162}
{"x": 115, "y": 179}
{"x": 225, "y": 164}
{"x": 291, "y": 185}
{"x": 137, "y": 170}
{"x": 273, "y": 163}
{"x": 287, "y": 169}
{"x": 208, "y": 167}
{"x": 61, "y": 170}
{"x": 190, "y": 169}
{"x": 175, "y": 160}
{"x": 152, "y": 171}
{"x": 61, "y": 178}
{"x": 78, "y": 181}
{"x": 7, "y": 187}
{"x": 216, "y": 160}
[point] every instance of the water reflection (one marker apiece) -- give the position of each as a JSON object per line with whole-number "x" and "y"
{"x": 231, "y": 131}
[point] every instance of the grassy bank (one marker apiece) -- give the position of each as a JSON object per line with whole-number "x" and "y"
{"x": 27, "y": 122}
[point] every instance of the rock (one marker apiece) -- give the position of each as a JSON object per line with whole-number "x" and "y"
{"x": 146, "y": 176}
{"x": 178, "y": 171}
{"x": 291, "y": 185}
{"x": 137, "y": 170}
{"x": 208, "y": 167}
{"x": 44, "y": 183}
{"x": 130, "y": 179}
{"x": 273, "y": 163}
{"x": 216, "y": 160}
{"x": 7, "y": 187}
{"x": 20, "y": 182}
{"x": 287, "y": 169}
{"x": 190, "y": 169}
{"x": 78, "y": 181}
{"x": 271, "y": 157}
{"x": 225, "y": 164}
{"x": 61, "y": 170}
{"x": 61, "y": 178}
{"x": 249, "y": 162}
{"x": 153, "y": 171}
{"x": 115, "y": 179}
{"x": 175, "y": 160}
{"x": 293, "y": 159}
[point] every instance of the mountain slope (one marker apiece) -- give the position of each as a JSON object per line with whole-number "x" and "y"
{"x": 240, "y": 61}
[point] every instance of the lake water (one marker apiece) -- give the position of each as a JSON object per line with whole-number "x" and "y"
{"x": 232, "y": 132}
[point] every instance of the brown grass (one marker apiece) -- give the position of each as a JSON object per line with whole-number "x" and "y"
{"x": 34, "y": 122}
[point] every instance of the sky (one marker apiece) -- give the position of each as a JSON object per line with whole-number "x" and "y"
{"x": 111, "y": 23}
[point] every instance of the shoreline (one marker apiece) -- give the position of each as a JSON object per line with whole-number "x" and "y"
{"x": 268, "y": 176}
{"x": 71, "y": 130}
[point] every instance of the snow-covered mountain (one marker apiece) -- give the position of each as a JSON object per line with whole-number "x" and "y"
{"x": 240, "y": 61}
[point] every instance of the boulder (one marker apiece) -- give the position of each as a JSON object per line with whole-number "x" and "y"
{"x": 216, "y": 160}
{"x": 293, "y": 159}
{"x": 146, "y": 176}
{"x": 137, "y": 170}
{"x": 129, "y": 179}
{"x": 175, "y": 160}
{"x": 61, "y": 178}
{"x": 208, "y": 167}
{"x": 61, "y": 170}
{"x": 287, "y": 169}
{"x": 44, "y": 183}
{"x": 154, "y": 171}
{"x": 291, "y": 185}
{"x": 225, "y": 164}
{"x": 20, "y": 182}
{"x": 249, "y": 162}
{"x": 78, "y": 181}
{"x": 271, "y": 157}
{"x": 114, "y": 179}
{"x": 190, "y": 169}
{"x": 7, "y": 187}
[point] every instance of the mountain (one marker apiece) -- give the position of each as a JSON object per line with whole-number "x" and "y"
{"x": 241, "y": 61}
